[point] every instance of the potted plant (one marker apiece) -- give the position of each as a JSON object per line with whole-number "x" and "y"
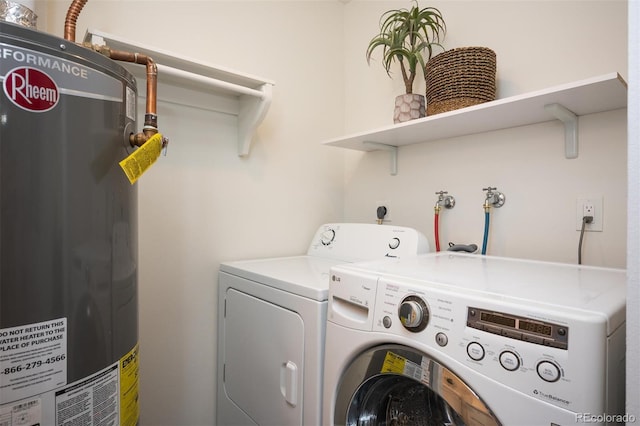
{"x": 408, "y": 36}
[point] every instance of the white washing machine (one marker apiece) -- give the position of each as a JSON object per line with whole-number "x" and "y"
{"x": 271, "y": 323}
{"x": 458, "y": 339}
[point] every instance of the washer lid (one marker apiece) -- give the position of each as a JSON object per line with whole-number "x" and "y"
{"x": 306, "y": 276}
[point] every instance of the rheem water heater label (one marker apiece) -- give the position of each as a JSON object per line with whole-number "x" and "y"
{"x": 34, "y": 80}
{"x": 33, "y": 359}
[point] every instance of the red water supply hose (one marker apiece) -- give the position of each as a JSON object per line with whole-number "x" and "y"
{"x": 436, "y": 231}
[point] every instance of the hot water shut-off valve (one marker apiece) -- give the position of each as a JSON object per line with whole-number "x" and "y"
{"x": 413, "y": 313}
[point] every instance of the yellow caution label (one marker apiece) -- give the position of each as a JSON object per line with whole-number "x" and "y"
{"x": 142, "y": 158}
{"x": 129, "y": 403}
{"x": 393, "y": 364}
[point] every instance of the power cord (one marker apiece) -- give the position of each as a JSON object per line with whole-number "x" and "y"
{"x": 585, "y": 220}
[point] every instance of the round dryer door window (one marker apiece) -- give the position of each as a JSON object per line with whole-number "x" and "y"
{"x": 395, "y": 385}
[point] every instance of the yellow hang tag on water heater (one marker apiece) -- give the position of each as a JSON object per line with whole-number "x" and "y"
{"x": 142, "y": 158}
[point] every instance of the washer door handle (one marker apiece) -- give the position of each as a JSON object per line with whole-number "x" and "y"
{"x": 289, "y": 382}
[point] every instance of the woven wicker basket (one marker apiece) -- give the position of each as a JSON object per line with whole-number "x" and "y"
{"x": 460, "y": 78}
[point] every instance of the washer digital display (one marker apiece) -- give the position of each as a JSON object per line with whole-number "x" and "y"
{"x": 497, "y": 319}
{"x": 535, "y": 327}
{"x": 517, "y": 327}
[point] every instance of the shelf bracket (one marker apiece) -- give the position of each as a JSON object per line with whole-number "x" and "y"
{"x": 252, "y": 111}
{"x": 570, "y": 121}
{"x": 393, "y": 154}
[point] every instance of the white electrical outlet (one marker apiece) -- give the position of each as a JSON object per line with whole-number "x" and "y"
{"x": 385, "y": 203}
{"x": 589, "y": 206}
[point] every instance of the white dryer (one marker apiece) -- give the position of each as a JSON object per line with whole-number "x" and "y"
{"x": 459, "y": 339}
{"x": 271, "y": 323}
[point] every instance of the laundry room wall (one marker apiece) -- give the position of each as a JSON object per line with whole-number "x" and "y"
{"x": 539, "y": 44}
{"x": 202, "y": 204}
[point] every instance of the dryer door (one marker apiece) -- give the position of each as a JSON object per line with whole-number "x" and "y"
{"x": 263, "y": 360}
{"x": 397, "y": 385}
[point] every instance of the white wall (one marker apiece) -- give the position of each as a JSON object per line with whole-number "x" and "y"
{"x": 538, "y": 44}
{"x": 202, "y": 204}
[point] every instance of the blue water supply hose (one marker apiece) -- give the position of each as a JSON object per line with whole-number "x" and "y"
{"x": 486, "y": 232}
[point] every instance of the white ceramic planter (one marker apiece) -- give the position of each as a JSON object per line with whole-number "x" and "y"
{"x": 409, "y": 107}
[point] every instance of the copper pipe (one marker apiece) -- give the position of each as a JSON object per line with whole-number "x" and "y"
{"x": 152, "y": 73}
{"x": 70, "y": 21}
{"x": 150, "y": 118}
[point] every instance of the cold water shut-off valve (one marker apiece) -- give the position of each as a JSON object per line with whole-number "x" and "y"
{"x": 493, "y": 198}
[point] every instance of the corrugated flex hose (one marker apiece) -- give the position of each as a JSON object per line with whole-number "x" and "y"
{"x": 486, "y": 232}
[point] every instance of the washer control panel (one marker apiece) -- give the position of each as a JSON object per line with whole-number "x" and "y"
{"x": 523, "y": 347}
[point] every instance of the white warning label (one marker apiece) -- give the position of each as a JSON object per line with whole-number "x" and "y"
{"x": 92, "y": 402}
{"x": 33, "y": 359}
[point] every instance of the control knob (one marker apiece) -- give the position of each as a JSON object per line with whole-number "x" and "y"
{"x": 394, "y": 243}
{"x": 327, "y": 236}
{"x": 413, "y": 313}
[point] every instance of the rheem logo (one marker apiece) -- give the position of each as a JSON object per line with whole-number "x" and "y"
{"x": 31, "y": 89}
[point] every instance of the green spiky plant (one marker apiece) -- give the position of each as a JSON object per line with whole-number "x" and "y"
{"x": 408, "y": 37}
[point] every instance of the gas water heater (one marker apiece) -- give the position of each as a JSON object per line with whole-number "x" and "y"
{"x": 68, "y": 235}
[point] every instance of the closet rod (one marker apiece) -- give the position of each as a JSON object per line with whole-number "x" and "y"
{"x": 167, "y": 70}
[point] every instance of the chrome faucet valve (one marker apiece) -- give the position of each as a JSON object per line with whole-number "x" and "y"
{"x": 493, "y": 198}
{"x": 448, "y": 202}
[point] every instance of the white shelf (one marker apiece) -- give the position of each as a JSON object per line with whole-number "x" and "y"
{"x": 193, "y": 83}
{"x": 598, "y": 94}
